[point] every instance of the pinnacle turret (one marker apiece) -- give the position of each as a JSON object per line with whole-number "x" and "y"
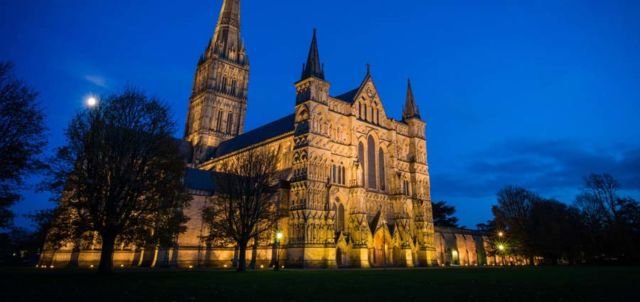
{"x": 313, "y": 68}
{"x": 410, "y": 107}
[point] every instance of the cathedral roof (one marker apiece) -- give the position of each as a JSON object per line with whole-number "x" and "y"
{"x": 258, "y": 135}
{"x": 349, "y": 96}
{"x": 196, "y": 180}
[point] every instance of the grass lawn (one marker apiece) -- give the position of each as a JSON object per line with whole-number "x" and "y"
{"x": 455, "y": 284}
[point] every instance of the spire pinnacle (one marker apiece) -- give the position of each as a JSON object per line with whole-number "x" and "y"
{"x": 226, "y": 39}
{"x": 313, "y": 68}
{"x": 410, "y": 107}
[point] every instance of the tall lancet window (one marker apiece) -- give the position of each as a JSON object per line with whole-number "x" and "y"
{"x": 219, "y": 122}
{"x": 361, "y": 160}
{"x": 381, "y": 173}
{"x": 371, "y": 163}
{"x": 230, "y": 123}
{"x": 340, "y": 218}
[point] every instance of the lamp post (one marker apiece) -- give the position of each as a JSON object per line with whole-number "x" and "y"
{"x": 502, "y": 248}
{"x": 279, "y": 236}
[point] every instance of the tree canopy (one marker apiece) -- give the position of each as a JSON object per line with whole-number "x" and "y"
{"x": 21, "y": 138}
{"x": 120, "y": 175}
{"x": 444, "y": 215}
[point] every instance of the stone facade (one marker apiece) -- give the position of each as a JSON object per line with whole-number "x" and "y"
{"x": 355, "y": 188}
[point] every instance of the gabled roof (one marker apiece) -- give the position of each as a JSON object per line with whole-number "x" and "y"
{"x": 255, "y": 136}
{"x": 349, "y": 96}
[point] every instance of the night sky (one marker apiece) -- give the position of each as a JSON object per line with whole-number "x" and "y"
{"x": 532, "y": 93}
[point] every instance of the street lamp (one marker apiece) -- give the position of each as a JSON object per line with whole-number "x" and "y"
{"x": 279, "y": 237}
{"x": 501, "y": 234}
{"x": 502, "y": 248}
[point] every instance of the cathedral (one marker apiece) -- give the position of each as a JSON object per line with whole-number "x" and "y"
{"x": 355, "y": 190}
{"x": 342, "y": 150}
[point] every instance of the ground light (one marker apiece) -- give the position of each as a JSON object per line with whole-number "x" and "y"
{"x": 279, "y": 237}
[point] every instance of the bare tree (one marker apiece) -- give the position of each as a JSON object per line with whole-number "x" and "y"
{"x": 21, "y": 137}
{"x": 612, "y": 221}
{"x": 244, "y": 206}
{"x": 513, "y": 215}
{"x": 120, "y": 174}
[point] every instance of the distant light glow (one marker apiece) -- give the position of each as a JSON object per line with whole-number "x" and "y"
{"x": 501, "y": 247}
{"x": 92, "y": 101}
{"x": 501, "y": 234}
{"x": 279, "y": 235}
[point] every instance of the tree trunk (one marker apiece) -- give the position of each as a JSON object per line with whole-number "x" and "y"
{"x": 242, "y": 257}
{"x": 254, "y": 254}
{"x": 106, "y": 255}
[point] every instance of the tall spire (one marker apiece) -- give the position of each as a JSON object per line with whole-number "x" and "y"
{"x": 313, "y": 68}
{"x": 410, "y": 107}
{"x": 226, "y": 39}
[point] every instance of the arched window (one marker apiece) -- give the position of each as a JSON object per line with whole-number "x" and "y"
{"x": 219, "y": 122}
{"x": 365, "y": 112}
{"x": 381, "y": 172}
{"x": 344, "y": 176}
{"x": 371, "y": 163}
{"x": 361, "y": 160}
{"x": 234, "y": 84}
{"x": 340, "y": 218}
{"x": 405, "y": 187}
{"x": 230, "y": 123}
{"x": 334, "y": 178}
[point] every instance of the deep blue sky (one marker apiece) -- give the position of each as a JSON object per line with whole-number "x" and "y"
{"x": 532, "y": 93}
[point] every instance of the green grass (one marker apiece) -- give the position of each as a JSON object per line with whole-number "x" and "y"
{"x": 490, "y": 284}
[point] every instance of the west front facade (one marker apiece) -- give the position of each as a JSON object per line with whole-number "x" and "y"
{"x": 354, "y": 188}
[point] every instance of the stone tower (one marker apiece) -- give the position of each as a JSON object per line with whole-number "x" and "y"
{"x": 420, "y": 180}
{"x": 311, "y": 220}
{"x": 218, "y": 102}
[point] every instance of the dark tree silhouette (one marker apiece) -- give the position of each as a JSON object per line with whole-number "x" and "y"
{"x": 120, "y": 174}
{"x": 613, "y": 222}
{"x": 513, "y": 216}
{"x": 556, "y": 231}
{"x": 444, "y": 215}
{"x": 21, "y": 137}
{"x": 244, "y": 206}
